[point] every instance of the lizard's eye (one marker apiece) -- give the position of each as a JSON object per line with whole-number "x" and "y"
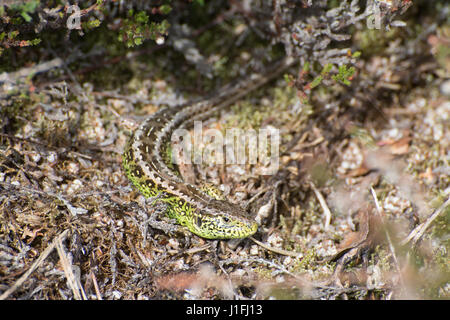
{"x": 198, "y": 222}
{"x": 226, "y": 219}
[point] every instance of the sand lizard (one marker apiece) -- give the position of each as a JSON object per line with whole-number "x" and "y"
{"x": 146, "y": 167}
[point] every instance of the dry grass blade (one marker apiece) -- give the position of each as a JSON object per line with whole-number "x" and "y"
{"x": 97, "y": 290}
{"x": 418, "y": 232}
{"x": 72, "y": 281}
{"x": 276, "y": 250}
{"x": 324, "y": 205}
{"x": 388, "y": 237}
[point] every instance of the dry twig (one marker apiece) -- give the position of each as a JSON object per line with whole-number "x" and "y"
{"x": 418, "y": 232}
{"x": 35, "y": 265}
{"x": 324, "y": 205}
{"x": 277, "y": 250}
{"x": 72, "y": 280}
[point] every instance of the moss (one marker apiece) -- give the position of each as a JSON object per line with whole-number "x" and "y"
{"x": 247, "y": 114}
{"x": 382, "y": 258}
{"x": 375, "y": 41}
{"x": 285, "y": 293}
{"x": 321, "y": 174}
{"x": 441, "y": 258}
{"x": 13, "y": 115}
{"x": 307, "y": 263}
{"x": 441, "y": 225}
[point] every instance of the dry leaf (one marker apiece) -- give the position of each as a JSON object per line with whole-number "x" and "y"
{"x": 396, "y": 147}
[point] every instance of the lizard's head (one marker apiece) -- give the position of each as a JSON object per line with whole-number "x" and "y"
{"x": 227, "y": 221}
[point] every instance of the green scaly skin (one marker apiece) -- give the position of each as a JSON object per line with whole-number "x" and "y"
{"x": 197, "y": 221}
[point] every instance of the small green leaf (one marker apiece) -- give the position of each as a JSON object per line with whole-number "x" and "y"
{"x": 287, "y": 78}
{"x": 13, "y": 34}
{"x": 163, "y": 26}
{"x": 327, "y": 68}
{"x": 94, "y": 23}
{"x": 35, "y": 41}
{"x": 165, "y": 8}
{"x": 356, "y": 54}
{"x": 317, "y": 80}
{"x": 142, "y": 17}
{"x": 306, "y": 67}
{"x": 26, "y": 16}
